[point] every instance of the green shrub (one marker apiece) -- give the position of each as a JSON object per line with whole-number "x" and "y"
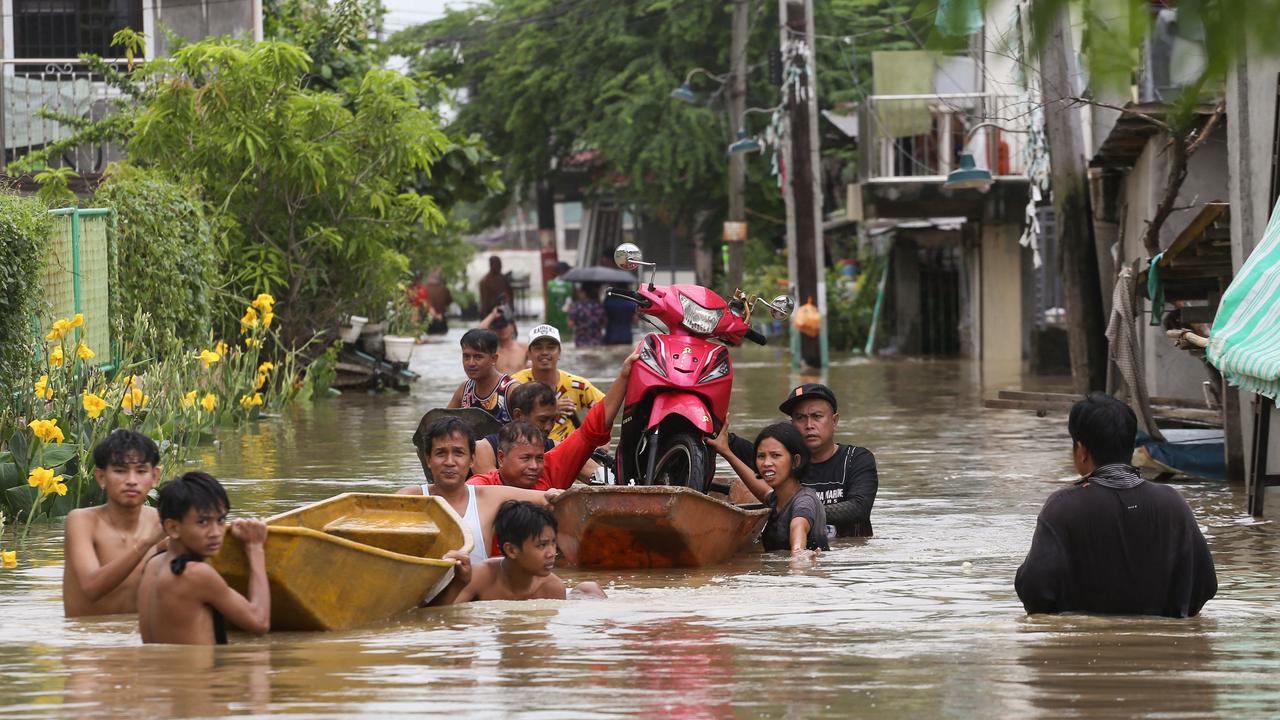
{"x": 24, "y": 243}
{"x": 164, "y": 255}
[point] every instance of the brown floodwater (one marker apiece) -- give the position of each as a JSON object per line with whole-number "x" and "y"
{"x": 919, "y": 621}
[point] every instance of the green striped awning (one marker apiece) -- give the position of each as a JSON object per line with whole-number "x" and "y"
{"x": 1245, "y": 342}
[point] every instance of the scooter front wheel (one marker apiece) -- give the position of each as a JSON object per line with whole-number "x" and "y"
{"x": 683, "y": 459}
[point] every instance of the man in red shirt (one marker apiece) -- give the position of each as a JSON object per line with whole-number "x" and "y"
{"x": 523, "y": 462}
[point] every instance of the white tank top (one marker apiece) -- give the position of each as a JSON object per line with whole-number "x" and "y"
{"x": 471, "y": 520}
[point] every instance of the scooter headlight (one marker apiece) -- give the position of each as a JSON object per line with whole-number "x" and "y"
{"x": 699, "y": 319}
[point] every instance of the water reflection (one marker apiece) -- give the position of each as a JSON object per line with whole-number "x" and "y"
{"x": 890, "y": 627}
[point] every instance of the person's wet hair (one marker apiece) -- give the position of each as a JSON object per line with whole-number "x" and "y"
{"x": 446, "y": 427}
{"x": 519, "y": 433}
{"x": 791, "y": 439}
{"x": 480, "y": 339}
{"x": 518, "y": 520}
{"x": 1105, "y": 426}
{"x": 124, "y": 447}
{"x": 527, "y": 396}
{"x": 195, "y": 489}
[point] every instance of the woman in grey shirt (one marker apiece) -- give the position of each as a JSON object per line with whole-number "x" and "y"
{"x": 796, "y": 519}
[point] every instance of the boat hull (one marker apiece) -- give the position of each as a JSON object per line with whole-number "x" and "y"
{"x": 618, "y": 528}
{"x": 352, "y": 559}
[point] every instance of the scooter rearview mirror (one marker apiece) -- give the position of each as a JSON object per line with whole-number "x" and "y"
{"x": 782, "y": 307}
{"x": 628, "y": 256}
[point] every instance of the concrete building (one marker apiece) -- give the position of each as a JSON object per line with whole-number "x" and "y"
{"x": 40, "y": 45}
{"x": 964, "y": 280}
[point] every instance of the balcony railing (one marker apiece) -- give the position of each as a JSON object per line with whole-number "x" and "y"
{"x": 920, "y": 137}
{"x": 61, "y": 85}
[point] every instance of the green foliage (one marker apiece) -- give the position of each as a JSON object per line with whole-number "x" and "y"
{"x": 851, "y": 302}
{"x": 339, "y": 37}
{"x": 164, "y": 256}
{"x": 24, "y": 244}
{"x": 547, "y": 81}
{"x": 55, "y": 190}
{"x": 308, "y": 188}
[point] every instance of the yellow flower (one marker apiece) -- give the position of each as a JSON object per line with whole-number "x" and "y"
{"x": 208, "y": 358}
{"x": 249, "y": 321}
{"x": 75, "y": 322}
{"x": 266, "y": 367}
{"x": 55, "y": 357}
{"x": 220, "y": 348}
{"x": 46, "y": 482}
{"x": 93, "y": 405}
{"x": 250, "y": 342}
{"x": 262, "y": 380}
{"x": 9, "y": 558}
{"x": 47, "y": 430}
{"x": 59, "y": 329}
{"x": 263, "y": 302}
{"x": 134, "y": 398}
{"x": 189, "y": 400}
{"x": 209, "y": 402}
{"x": 43, "y": 391}
{"x": 84, "y": 353}
{"x": 129, "y": 380}
{"x": 267, "y": 317}
{"x": 249, "y": 401}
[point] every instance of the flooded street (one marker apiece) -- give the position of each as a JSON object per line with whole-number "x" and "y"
{"x": 896, "y": 626}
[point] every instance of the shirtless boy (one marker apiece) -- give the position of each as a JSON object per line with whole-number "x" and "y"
{"x": 182, "y": 600}
{"x": 446, "y": 450}
{"x": 513, "y": 355}
{"x": 106, "y": 545}
{"x": 527, "y": 536}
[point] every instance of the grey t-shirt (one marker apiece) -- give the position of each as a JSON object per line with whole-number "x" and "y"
{"x": 805, "y": 504}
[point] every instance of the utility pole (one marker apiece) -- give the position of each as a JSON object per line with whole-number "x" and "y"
{"x": 803, "y": 186}
{"x": 734, "y": 231}
{"x": 1081, "y": 288}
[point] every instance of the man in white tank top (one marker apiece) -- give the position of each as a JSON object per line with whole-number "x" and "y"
{"x": 446, "y": 449}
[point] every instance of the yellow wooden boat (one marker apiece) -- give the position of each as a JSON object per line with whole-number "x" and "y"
{"x": 352, "y": 559}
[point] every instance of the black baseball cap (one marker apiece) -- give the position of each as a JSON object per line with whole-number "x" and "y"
{"x": 808, "y": 391}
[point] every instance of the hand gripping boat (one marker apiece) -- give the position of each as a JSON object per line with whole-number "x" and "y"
{"x": 352, "y": 559}
{"x": 616, "y": 527}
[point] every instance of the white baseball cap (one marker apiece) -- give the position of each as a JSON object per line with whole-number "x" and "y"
{"x": 537, "y": 332}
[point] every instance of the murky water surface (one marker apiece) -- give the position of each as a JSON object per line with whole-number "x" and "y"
{"x": 896, "y": 626}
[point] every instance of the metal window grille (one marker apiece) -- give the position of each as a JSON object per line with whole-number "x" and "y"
{"x": 66, "y": 28}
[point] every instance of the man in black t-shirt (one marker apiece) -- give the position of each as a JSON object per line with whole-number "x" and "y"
{"x": 844, "y": 476}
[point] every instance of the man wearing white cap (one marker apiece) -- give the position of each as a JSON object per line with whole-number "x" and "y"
{"x": 574, "y": 394}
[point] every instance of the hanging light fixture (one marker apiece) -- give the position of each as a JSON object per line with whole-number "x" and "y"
{"x": 684, "y": 93}
{"x": 744, "y": 144}
{"x": 969, "y": 175}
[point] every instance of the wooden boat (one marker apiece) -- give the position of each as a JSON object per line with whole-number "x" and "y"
{"x": 651, "y": 527}
{"x": 352, "y": 559}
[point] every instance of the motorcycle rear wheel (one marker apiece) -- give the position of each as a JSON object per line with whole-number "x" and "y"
{"x": 683, "y": 459}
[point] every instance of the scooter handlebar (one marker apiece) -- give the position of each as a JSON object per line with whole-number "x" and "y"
{"x": 634, "y": 297}
{"x": 756, "y": 337}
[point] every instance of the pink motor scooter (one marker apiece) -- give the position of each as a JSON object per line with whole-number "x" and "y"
{"x": 678, "y": 393}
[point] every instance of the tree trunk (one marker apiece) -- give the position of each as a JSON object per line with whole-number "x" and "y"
{"x": 1081, "y": 288}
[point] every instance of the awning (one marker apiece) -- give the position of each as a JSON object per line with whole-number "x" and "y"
{"x": 1245, "y": 342}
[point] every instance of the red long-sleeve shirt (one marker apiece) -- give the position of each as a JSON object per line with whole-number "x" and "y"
{"x": 562, "y": 463}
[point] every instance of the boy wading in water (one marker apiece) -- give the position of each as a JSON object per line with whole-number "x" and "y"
{"x": 181, "y": 599}
{"x": 107, "y": 545}
{"x": 527, "y": 535}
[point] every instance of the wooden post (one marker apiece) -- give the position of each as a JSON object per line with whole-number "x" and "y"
{"x": 805, "y": 208}
{"x": 1082, "y": 292}
{"x": 546, "y": 236}
{"x": 737, "y": 161}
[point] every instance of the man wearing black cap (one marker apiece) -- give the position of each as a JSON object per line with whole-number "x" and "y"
{"x": 844, "y": 476}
